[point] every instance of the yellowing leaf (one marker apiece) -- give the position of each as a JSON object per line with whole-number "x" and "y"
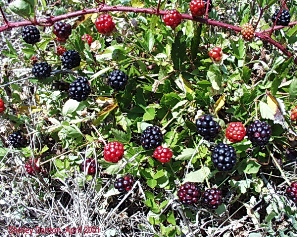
{"x": 219, "y": 103}
{"x": 28, "y": 109}
{"x": 277, "y": 107}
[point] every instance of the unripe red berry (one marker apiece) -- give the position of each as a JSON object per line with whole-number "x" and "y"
{"x": 197, "y": 8}
{"x": 104, "y": 24}
{"x": 163, "y": 154}
{"x": 235, "y": 132}
{"x": 113, "y": 152}
{"x": 2, "y": 106}
{"x": 172, "y": 18}
{"x": 294, "y": 114}
{"x": 216, "y": 54}
{"x": 87, "y": 38}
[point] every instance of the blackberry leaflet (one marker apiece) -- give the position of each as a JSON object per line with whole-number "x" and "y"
{"x": 71, "y": 59}
{"x": 117, "y": 80}
{"x": 151, "y": 137}
{"x": 17, "y": 140}
{"x": 41, "y": 70}
{"x": 79, "y": 89}
{"x": 259, "y": 133}
{"x": 223, "y": 157}
{"x": 283, "y": 18}
{"x": 31, "y": 34}
{"x": 207, "y": 127}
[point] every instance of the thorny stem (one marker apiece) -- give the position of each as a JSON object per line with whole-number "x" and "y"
{"x": 49, "y": 21}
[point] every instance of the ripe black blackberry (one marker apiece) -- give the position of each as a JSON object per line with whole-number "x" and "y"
{"x": 117, "y": 80}
{"x": 207, "y": 127}
{"x": 223, "y": 157}
{"x": 62, "y": 30}
{"x": 79, "y": 89}
{"x": 259, "y": 133}
{"x": 283, "y": 18}
{"x": 124, "y": 184}
{"x": 188, "y": 193}
{"x": 31, "y": 34}
{"x": 151, "y": 137}
{"x": 41, "y": 70}
{"x": 212, "y": 198}
{"x": 70, "y": 59}
{"x": 16, "y": 140}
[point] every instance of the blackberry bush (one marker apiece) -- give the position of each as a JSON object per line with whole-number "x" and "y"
{"x": 117, "y": 80}
{"x": 212, "y": 198}
{"x": 223, "y": 157}
{"x": 71, "y": 59}
{"x": 151, "y": 137}
{"x": 31, "y": 34}
{"x": 113, "y": 152}
{"x": 79, "y": 89}
{"x": 62, "y": 30}
{"x": 41, "y": 70}
{"x": 259, "y": 133}
{"x": 124, "y": 184}
{"x": 17, "y": 140}
{"x": 207, "y": 127}
{"x": 282, "y": 18}
{"x": 188, "y": 193}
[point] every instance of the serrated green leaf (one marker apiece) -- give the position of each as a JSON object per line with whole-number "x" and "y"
{"x": 293, "y": 89}
{"x": 70, "y": 106}
{"x": 214, "y": 75}
{"x": 152, "y": 183}
{"x": 22, "y": 8}
{"x": 252, "y": 167}
{"x": 121, "y": 136}
{"x": 149, "y": 114}
{"x": 113, "y": 169}
{"x": 186, "y": 154}
{"x": 197, "y": 176}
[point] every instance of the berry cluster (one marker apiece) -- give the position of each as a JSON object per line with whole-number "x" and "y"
{"x": 2, "y": 106}
{"x": 188, "y": 193}
{"x": 79, "y": 89}
{"x": 104, "y": 24}
{"x": 247, "y": 31}
{"x": 117, "y": 80}
{"x": 70, "y": 59}
{"x": 259, "y": 133}
{"x": 151, "y": 137}
{"x": 212, "y": 198}
{"x": 216, "y": 54}
{"x": 197, "y": 8}
{"x": 223, "y": 157}
{"x": 163, "y": 154}
{"x": 88, "y": 166}
{"x": 235, "y": 132}
{"x": 113, "y": 152}
{"x": 172, "y": 18}
{"x": 32, "y": 167}
{"x": 41, "y": 70}
{"x": 292, "y": 192}
{"x": 62, "y": 30}
{"x": 282, "y": 18}
{"x": 207, "y": 127}
{"x": 31, "y": 34}
{"x": 16, "y": 140}
{"x": 124, "y": 184}
{"x": 60, "y": 50}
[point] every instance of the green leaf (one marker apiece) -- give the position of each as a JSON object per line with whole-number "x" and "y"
{"x": 149, "y": 114}
{"x": 197, "y": 176}
{"x": 252, "y": 167}
{"x": 113, "y": 169}
{"x": 215, "y": 77}
{"x": 186, "y": 154}
{"x": 266, "y": 111}
{"x": 152, "y": 183}
{"x": 150, "y": 40}
{"x": 293, "y": 89}
{"x": 70, "y": 106}
{"x": 23, "y": 8}
{"x": 178, "y": 50}
{"x": 121, "y": 136}
{"x": 171, "y": 218}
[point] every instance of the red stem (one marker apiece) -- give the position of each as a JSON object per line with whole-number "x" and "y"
{"x": 49, "y": 21}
